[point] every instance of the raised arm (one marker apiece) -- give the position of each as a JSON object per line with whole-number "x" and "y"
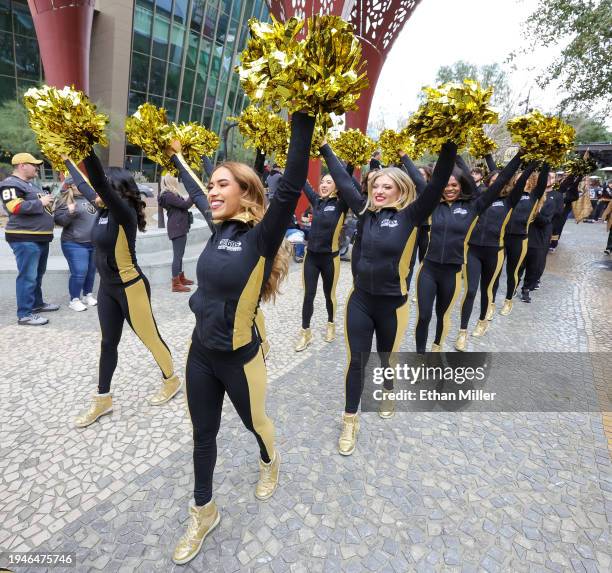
{"x": 414, "y": 174}
{"x": 540, "y": 187}
{"x": 485, "y": 200}
{"x": 81, "y": 182}
{"x": 569, "y": 188}
{"x": 310, "y": 193}
{"x": 271, "y": 230}
{"x": 491, "y": 165}
{"x": 429, "y": 199}
{"x": 344, "y": 182}
{"x": 519, "y": 186}
{"x": 207, "y": 165}
{"x": 195, "y": 188}
{"x": 119, "y": 207}
{"x": 467, "y": 172}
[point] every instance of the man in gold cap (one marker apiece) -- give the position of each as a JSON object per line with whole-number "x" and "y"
{"x": 28, "y": 232}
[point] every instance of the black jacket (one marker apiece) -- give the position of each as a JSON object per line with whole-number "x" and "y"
{"x": 540, "y": 231}
{"x": 522, "y": 213}
{"x": 327, "y": 219}
{"x": 388, "y": 236}
{"x": 452, "y": 223}
{"x": 178, "y": 213}
{"x": 237, "y": 260}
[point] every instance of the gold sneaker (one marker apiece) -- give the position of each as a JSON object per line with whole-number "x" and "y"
{"x": 348, "y": 436}
{"x": 481, "y": 328}
{"x": 507, "y": 308}
{"x": 436, "y": 347}
{"x": 100, "y": 405}
{"x": 268, "y": 478}
{"x": 330, "y": 332}
{"x": 461, "y": 342}
{"x": 202, "y": 521}
{"x": 166, "y": 392}
{"x": 265, "y": 348}
{"x": 305, "y": 340}
{"x": 386, "y": 409}
{"x": 490, "y": 312}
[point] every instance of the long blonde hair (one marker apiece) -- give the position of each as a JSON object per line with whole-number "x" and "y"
{"x": 253, "y": 203}
{"x": 404, "y": 183}
{"x": 66, "y": 197}
{"x": 170, "y": 183}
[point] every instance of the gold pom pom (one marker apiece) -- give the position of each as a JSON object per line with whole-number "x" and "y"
{"x": 322, "y": 74}
{"x": 354, "y": 147}
{"x": 65, "y": 123}
{"x": 196, "y": 141}
{"x": 263, "y": 129}
{"x": 451, "y": 112}
{"x": 480, "y": 143}
{"x": 580, "y": 166}
{"x": 320, "y": 134}
{"x": 542, "y": 137}
{"x": 148, "y": 129}
{"x": 391, "y": 143}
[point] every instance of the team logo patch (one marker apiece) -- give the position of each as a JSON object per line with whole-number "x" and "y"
{"x": 525, "y": 198}
{"x": 497, "y": 204}
{"x": 330, "y": 208}
{"x": 103, "y": 221}
{"x": 91, "y": 209}
{"x": 460, "y": 211}
{"x": 389, "y": 223}
{"x": 229, "y": 245}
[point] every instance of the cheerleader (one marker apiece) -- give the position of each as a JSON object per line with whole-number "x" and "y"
{"x": 322, "y": 256}
{"x": 241, "y": 264}
{"x": 124, "y": 293}
{"x": 438, "y": 278}
{"x": 378, "y": 303}
{"x": 485, "y": 257}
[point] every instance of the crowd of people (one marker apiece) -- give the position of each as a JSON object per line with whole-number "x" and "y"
{"x": 462, "y": 223}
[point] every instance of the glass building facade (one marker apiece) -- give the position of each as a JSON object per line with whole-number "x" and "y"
{"x": 183, "y": 55}
{"x": 20, "y": 66}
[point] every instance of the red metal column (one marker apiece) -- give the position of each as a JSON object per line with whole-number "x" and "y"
{"x": 63, "y": 29}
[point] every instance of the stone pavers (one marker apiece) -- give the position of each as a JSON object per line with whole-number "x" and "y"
{"x": 423, "y": 492}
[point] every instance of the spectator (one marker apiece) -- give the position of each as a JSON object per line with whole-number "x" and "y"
{"x": 477, "y": 175}
{"x": 77, "y": 216}
{"x": 604, "y": 199}
{"x": 375, "y": 161}
{"x": 179, "y": 223}
{"x": 28, "y": 232}
{"x": 595, "y": 191}
{"x": 273, "y": 179}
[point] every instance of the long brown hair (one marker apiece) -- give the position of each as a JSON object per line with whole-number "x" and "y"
{"x": 253, "y": 203}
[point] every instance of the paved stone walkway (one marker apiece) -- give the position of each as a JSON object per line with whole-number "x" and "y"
{"x": 423, "y": 491}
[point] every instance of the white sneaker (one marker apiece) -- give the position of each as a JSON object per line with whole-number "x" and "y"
{"x": 76, "y": 304}
{"x": 90, "y": 300}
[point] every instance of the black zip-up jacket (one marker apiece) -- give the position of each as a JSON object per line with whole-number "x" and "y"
{"x": 237, "y": 260}
{"x": 388, "y": 235}
{"x": 522, "y": 213}
{"x": 490, "y": 228}
{"x": 452, "y": 223}
{"x": 327, "y": 219}
{"x": 540, "y": 232}
{"x": 178, "y": 213}
{"x": 419, "y": 182}
{"x": 114, "y": 234}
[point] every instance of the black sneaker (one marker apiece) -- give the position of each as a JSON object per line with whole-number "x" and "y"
{"x": 537, "y": 286}
{"x": 525, "y": 295}
{"x": 46, "y": 307}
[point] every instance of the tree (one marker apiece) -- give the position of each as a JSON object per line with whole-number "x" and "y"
{"x": 589, "y": 129}
{"x": 15, "y": 133}
{"x": 584, "y": 68}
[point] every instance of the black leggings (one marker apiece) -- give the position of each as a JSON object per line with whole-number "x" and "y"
{"x": 533, "y": 266}
{"x": 516, "y": 249}
{"x": 209, "y": 375}
{"x": 366, "y": 314}
{"x": 117, "y": 303}
{"x": 422, "y": 242}
{"x": 483, "y": 266}
{"x": 440, "y": 283}
{"x": 178, "y": 250}
{"x": 558, "y": 224}
{"x": 328, "y": 266}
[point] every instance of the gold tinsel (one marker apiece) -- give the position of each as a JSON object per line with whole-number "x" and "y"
{"x": 480, "y": 143}
{"x": 354, "y": 147}
{"x": 542, "y": 137}
{"x": 65, "y": 123}
{"x": 451, "y": 112}
{"x": 321, "y": 74}
{"x": 390, "y": 143}
{"x": 580, "y": 166}
{"x": 263, "y": 129}
{"x": 148, "y": 129}
{"x": 319, "y": 135}
{"x": 196, "y": 141}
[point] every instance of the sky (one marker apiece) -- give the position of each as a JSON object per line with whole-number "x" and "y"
{"x": 440, "y": 32}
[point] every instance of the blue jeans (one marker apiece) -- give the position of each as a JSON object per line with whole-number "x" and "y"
{"x": 80, "y": 257}
{"x": 31, "y": 265}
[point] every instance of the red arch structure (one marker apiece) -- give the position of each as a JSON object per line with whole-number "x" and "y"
{"x": 63, "y": 29}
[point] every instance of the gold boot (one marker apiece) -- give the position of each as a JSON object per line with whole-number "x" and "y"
{"x": 348, "y": 436}
{"x": 268, "y": 478}
{"x": 507, "y": 308}
{"x": 101, "y": 404}
{"x": 305, "y": 340}
{"x": 202, "y": 521}
{"x": 490, "y": 311}
{"x": 481, "y": 328}
{"x": 166, "y": 392}
{"x": 330, "y": 332}
{"x": 386, "y": 409}
{"x": 461, "y": 342}
{"x": 436, "y": 347}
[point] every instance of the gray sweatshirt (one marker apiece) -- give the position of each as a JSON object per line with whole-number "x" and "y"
{"x": 79, "y": 225}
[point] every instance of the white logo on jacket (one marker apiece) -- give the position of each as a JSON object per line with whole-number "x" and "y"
{"x": 102, "y": 220}
{"x": 525, "y": 197}
{"x": 460, "y": 211}
{"x": 229, "y": 245}
{"x": 330, "y": 208}
{"x": 497, "y": 204}
{"x": 389, "y": 223}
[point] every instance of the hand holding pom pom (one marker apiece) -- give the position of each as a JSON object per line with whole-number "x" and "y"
{"x": 354, "y": 147}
